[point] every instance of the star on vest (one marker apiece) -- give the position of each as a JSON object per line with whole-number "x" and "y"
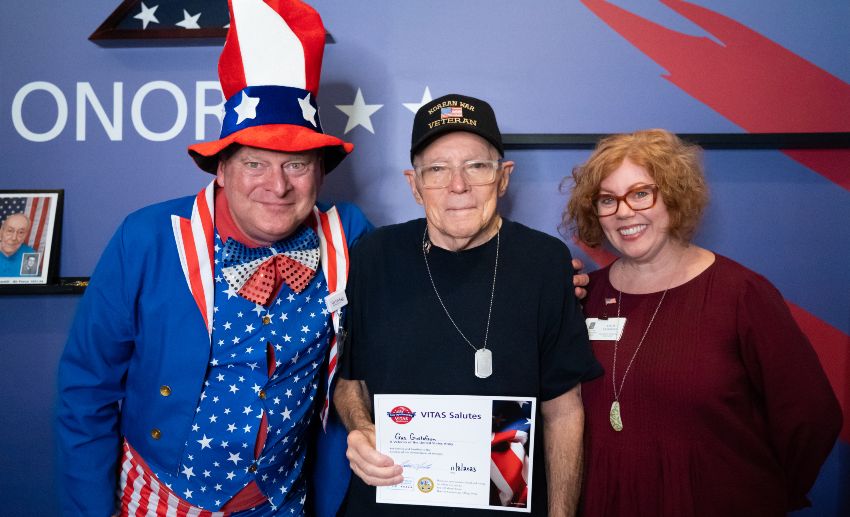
{"x": 269, "y": 71}
{"x": 256, "y": 274}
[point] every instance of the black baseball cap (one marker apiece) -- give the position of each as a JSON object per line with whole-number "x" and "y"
{"x": 454, "y": 112}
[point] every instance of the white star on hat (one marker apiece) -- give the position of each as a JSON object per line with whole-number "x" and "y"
{"x": 247, "y": 108}
{"x": 307, "y": 110}
{"x": 359, "y": 113}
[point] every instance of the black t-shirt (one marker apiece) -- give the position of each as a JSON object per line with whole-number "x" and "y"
{"x": 401, "y": 340}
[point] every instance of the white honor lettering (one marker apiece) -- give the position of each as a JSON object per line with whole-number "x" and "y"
{"x": 151, "y": 109}
{"x": 61, "y": 111}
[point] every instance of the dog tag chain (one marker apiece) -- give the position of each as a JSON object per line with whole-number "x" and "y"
{"x": 483, "y": 355}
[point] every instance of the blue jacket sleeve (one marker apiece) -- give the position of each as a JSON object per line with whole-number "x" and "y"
{"x": 331, "y": 472}
{"x": 354, "y": 223}
{"x": 91, "y": 387}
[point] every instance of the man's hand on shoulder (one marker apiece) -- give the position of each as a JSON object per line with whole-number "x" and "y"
{"x": 371, "y": 466}
{"x": 580, "y": 280}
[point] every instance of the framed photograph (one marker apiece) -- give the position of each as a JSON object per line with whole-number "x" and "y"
{"x": 30, "y": 235}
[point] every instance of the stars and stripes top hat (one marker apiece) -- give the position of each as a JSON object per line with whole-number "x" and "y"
{"x": 269, "y": 71}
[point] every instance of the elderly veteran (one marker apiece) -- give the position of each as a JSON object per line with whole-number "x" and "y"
{"x": 13, "y": 233}
{"x": 713, "y": 401}
{"x": 465, "y": 302}
{"x": 196, "y": 364}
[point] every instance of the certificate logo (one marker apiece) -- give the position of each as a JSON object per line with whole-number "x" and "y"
{"x": 401, "y": 415}
{"x": 425, "y": 485}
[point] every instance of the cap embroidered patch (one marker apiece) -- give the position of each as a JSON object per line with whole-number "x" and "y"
{"x": 451, "y": 112}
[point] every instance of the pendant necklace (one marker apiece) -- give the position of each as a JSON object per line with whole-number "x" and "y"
{"x": 483, "y": 356}
{"x": 614, "y": 415}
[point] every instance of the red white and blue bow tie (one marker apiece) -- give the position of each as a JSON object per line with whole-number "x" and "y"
{"x": 256, "y": 273}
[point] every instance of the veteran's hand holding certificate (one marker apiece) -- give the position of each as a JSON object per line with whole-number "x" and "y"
{"x": 458, "y": 451}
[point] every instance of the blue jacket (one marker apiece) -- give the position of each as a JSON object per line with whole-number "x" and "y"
{"x": 138, "y": 328}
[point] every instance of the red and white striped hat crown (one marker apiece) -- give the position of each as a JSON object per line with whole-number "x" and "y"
{"x": 269, "y": 71}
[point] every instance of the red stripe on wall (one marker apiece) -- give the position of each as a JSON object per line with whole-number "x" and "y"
{"x": 747, "y": 78}
{"x": 600, "y": 255}
{"x": 832, "y": 164}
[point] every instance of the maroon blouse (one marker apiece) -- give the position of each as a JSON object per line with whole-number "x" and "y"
{"x": 726, "y": 409}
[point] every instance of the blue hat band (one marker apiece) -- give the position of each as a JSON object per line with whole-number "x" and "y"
{"x": 265, "y": 105}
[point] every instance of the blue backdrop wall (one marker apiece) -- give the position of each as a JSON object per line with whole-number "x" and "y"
{"x": 110, "y": 127}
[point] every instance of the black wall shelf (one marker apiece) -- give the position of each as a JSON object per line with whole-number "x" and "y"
{"x": 521, "y": 141}
{"x": 66, "y": 285}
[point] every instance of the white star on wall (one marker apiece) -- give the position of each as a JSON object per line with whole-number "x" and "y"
{"x": 414, "y": 106}
{"x": 307, "y": 110}
{"x": 189, "y": 21}
{"x": 247, "y": 108}
{"x": 147, "y": 15}
{"x": 359, "y": 113}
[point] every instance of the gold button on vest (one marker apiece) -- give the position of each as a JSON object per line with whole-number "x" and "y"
{"x": 164, "y": 390}
{"x": 156, "y": 434}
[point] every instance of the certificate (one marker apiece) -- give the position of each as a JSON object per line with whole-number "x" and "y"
{"x": 458, "y": 451}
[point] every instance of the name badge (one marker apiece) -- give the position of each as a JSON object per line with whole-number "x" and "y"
{"x": 336, "y": 301}
{"x": 605, "y": 330}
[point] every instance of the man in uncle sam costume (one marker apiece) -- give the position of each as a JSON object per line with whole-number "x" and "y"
{"x": 195, "y": 374}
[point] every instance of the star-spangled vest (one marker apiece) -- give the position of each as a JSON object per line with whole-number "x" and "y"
{"x": 294, "y": 333}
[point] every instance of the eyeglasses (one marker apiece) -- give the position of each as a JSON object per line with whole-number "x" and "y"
{"x": 475, "y": 172}
{"x": 642, "y": 197}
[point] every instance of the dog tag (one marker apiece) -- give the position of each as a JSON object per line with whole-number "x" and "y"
{"x": 483, "y": 363}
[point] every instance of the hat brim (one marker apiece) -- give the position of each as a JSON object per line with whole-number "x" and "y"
{"x": 437, "y": 132}
{"x": 275, "y": 137}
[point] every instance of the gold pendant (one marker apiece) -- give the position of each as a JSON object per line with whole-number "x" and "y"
{"x": 614, "y": 416}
